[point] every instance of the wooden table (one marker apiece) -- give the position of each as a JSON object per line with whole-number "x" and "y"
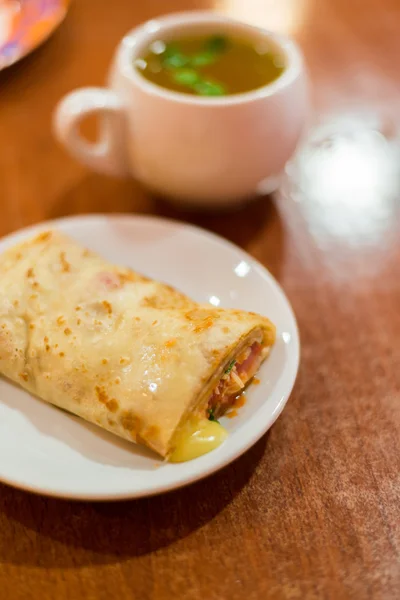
{"x": 313, "y": 510}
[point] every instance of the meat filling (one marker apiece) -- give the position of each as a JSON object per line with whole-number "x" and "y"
{"x": 236, "y": 377}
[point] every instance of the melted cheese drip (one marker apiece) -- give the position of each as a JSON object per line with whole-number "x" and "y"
{"x": 196, "y": 438}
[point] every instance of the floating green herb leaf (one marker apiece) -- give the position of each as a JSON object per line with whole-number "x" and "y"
{"x": 170, "y": 50}
{"x": 186, "y": 77}
{"x": 216, "y": 44}
{"x": 173, "y": 58}
{"x": 176, "y": 61}
{"x": 203, "y": 59}
{"x": 212, "y": 48}
{"x": 208, "y": 88}
{"x": 211, "y": 416}
{"x": 230, "y": 367}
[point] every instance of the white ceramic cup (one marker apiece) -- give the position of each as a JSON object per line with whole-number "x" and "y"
{"x": 208, "y": 151}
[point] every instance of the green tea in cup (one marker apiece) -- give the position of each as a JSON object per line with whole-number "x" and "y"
{"x": 210, "y": 65}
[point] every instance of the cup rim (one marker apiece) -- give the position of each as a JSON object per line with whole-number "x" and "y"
{"x": 133, "y": 42}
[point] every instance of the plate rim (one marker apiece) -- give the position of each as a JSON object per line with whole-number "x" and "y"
{"x": 63, "y": 9}
{"x": 261, "y": 270}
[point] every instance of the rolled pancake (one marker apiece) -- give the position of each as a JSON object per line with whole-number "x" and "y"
{"x": 127, "y": 353}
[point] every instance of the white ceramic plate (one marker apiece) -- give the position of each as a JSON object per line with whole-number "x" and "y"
{"x": 45, "y": 450}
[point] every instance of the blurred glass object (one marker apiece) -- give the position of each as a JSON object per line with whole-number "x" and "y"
{"x": 284, "y": 16}
{"x": 347, "y": 177}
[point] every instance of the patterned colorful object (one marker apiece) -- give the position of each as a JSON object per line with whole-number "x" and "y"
{"x": 24, "y": 24}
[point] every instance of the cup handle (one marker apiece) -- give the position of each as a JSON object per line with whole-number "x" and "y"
{"x": 108, "y": 155}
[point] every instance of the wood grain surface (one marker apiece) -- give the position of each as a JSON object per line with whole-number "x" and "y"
{"x": 313, "y": 510}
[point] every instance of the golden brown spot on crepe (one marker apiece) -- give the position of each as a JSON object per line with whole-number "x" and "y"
{"x": 60, "y": 321}
{"x": 61, "y": 354}
{"x": 46, "y": 339}
{"x": 97, "y": 322}
{"x": 118, "y": 381}
{"x": 130, "y": 422}
{"x": 78, "y": 307}
{"x": 16, "y": 303}
{"x": 78, "y": 322}
{"x": 130, "y": 277}
{"x": 226, "y": 329}
{"x": 111, "y": 422}
{"x": 101, "y": 394}
{"x": 238, "y": 315}
{"x": 43, "y": 237}
{"x": 18, "y": 256}
{"x": 178, "y": 297}
{"x": 170, "y": 343}
{"x": 104, "y": 361}
{"x": 31, "y": 326}
{"x": 155, "y": 322}
{"x": 172, "y": 300}
{"x": 47, "y": 348}
{"x": 155, "y": 302}
{"x": 137, "y": 319}
{"x": 256, "y": 381}
{"x": 3, "y": 326}
{"x": 107, "y": 306}
{"x": 33, "y": 297}
{"x": 86, "y": 252}
{"x": 199, "y": 314}
{"x": 206, "y": 324}
{"x": 67, "y": 331}
{"x": 35, "y": 285}
{"x": 66, "y": 267}
{"x": 30, "y": 273}
{"x": 152, "y": 432}
{"x": 24, "y": 376}
{"x": 203, "y": 318}
{"x": 123, "y": 360}
{"x": 112, "y": 405}
{"x": 55, "y": 345}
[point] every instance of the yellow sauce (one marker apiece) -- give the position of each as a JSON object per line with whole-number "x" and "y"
{"x": 196, "y": 438}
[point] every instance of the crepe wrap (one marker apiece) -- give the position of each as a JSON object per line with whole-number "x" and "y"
{"x": 127, "y": 353}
